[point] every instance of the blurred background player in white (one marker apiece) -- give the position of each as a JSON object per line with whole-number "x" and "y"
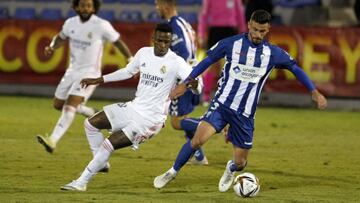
{"x": 218, "y": 20}
{"x": 249, "y": 61}
{"x": 86, "y": 34}
{"x": 183, "y": 44}
{"x": 136, "y": 121}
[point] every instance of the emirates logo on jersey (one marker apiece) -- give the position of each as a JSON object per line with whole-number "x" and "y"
{"x": 89, "y": 35}
{"x": 163, "y": 69}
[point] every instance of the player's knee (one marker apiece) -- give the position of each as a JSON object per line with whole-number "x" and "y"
{"x": 175, "y": 123}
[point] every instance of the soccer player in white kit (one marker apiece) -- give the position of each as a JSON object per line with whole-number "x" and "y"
{"x": 86, "y": 34}
{"x": 138, "y": 120}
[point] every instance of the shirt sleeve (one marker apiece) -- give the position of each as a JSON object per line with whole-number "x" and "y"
{"x": 109, "y": 33}
{"x": 184, "y": 69}
{"x": 125, "y": 73}
{"x": 217, "y": 51}
{"x": 283, "y": 60}
{"x": 64, "y": 33}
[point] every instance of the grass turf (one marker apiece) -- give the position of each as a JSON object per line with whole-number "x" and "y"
{"x": 299, "y": 155}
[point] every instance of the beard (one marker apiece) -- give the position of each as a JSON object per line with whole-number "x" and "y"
{"x": 84, "y": 16}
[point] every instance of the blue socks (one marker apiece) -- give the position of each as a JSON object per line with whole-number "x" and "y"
{"x": 189, "y": 125}
{"x": 183, "y": 156}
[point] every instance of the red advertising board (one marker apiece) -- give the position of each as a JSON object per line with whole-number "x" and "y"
{"x": 330, "y": 56}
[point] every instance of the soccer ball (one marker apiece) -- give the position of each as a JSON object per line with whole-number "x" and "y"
{"x": 246, "y": 185}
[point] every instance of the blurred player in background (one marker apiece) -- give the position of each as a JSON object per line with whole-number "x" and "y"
{"x": 183, "y": 44}
{"x": 249, "y": 61}
{"x": 136, "y": 121}
{"x": 217, "y": 20}
{"x": 86, "y": 34}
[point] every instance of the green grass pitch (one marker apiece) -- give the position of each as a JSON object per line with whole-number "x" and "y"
{"x": 299, "y": 155}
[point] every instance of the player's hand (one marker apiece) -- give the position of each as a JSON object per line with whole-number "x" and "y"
{"x": 91, "y": 81}
{"x": 192, "y": 83}
{"x": 48, "y": 51}
{"x": 319, "y": 99}
{"x": 178, "y": 91}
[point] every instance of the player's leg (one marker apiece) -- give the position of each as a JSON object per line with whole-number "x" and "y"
{"x": 82, "y": 108}
{"x": 63, "y": 123}
{"x": 203, "y": 133}
{"x": 116, "y": 140}
{"x": 240, "y": 134}
{"x": 179, "y": 110}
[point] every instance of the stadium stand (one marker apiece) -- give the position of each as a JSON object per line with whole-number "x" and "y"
{"x": 25, "y": 13}
{"x": 4, "y": 13}
{"x": 51, "y": 14}
{"x": 154, "y": 17}
{"x": 191, "y": 17}
{"x": 107, "y": 14}
{"x": 131, "y": 16}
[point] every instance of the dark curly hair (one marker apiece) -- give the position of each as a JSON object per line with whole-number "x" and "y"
{"x": 97, "y": 4}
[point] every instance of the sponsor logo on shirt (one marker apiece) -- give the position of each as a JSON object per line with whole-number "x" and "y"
{"x": 151, "y": 80}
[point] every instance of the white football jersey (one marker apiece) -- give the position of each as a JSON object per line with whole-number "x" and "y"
{"x": 86, "y": 40}
{"x": 158, "y": 75}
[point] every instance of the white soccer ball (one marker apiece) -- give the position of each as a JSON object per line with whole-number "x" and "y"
{"x": 246, "y": 185}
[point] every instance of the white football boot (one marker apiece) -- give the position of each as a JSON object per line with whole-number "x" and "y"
{"x": 47, "y": 143}
{"x": 194, "y": 161}
{"x": 161, "y": 180}
{"x": 74, "y": 186}
{"x": 227, "y": 178}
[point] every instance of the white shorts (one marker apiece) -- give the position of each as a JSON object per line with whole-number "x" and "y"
{"x": 123, "y": 116}
{"x": 70, "y": 85}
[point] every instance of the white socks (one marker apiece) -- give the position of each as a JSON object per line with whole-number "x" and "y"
{"x": 64, "y": 122}
{"x": 94, "y": 136}
{"x": 98, "y": 162}
{"x": 85, "y": 110}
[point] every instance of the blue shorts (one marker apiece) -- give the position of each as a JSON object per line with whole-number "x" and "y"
{"x": 241, "y": 128}
{"x": 184, "y": 104}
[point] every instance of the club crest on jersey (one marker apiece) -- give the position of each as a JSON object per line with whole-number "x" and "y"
{"x": 89, "y": 35}
{"x": 163, "y": 69}
{"x": 236, "y": 69}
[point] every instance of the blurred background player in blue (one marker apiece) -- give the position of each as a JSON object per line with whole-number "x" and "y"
{"x": 218, "y": 19}
{"x": 86, "y": 34}
{"x": 249, "y": 61}
{"x": 183, "y": 44}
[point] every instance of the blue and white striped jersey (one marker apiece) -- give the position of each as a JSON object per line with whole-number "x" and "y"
{"x": 246, "y": 70}
{"x": 183, "y": 39}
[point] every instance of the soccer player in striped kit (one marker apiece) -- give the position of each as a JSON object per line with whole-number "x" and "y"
{"x": 249, "y": 61}
{"x": 183, "y": 44}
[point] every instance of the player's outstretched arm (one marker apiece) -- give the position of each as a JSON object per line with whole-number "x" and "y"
{"x": 91, "y": 81}
{"x": 319, "y": 99}
{"x": 56, "y": 42}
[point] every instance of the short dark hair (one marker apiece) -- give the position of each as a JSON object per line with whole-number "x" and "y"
{"x": 97, "y": 4}
{"x": 261, "y": 16}
{"x": 163, "y": 27}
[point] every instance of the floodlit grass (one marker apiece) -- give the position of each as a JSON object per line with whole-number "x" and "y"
{"x": 299, "y": 155}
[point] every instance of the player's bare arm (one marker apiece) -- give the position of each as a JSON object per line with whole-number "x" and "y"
{"x": 55, "y": 43}
{"x": 124, "y": 49}
{"x": 91, "y": 81}
{"x": 319, "y": 99}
